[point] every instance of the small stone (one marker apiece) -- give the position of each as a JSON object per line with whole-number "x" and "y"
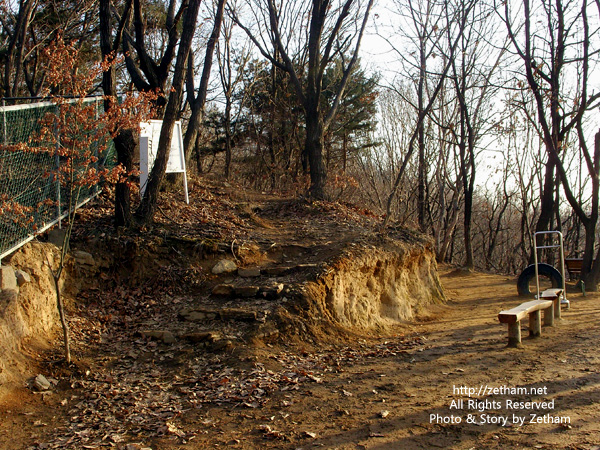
{"x": 306, "y": 266}
{"x": 22, "y": 277}
{"x": 246, "y": 291}
{"x": 168, "y": 337}
{"x": 223, "y": 290}
{"x": 153, "y": 334}
{"x": 41, "y": 383}
{"x": 251, "y": 272}
{"x": 224, "y": 266}
{"x": 84, "y": 258}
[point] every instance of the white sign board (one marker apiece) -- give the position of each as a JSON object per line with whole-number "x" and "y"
{"x": 149, "y": 137}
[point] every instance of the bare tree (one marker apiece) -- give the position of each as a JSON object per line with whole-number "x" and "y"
{"x": 149, "y": 61}
{"x": 28, "y": 27}
{"x": 474, "y": 66}
{"x": 454, "y": 25}
{"x": 553, "y": 41}
{"x": 15, "y": 50}
{"x": 327, "y": 30}
{"x": 422, "y": 25}
{"x": 198, "y": 100}
{"x": 230, "y": 78}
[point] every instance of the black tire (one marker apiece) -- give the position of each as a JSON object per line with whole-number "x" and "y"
{"x": 543, "y": 270}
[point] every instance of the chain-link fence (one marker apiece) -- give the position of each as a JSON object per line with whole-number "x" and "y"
{"x": 38, "y": 198}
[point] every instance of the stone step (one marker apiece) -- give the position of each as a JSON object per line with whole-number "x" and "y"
{"x": 250, "y": 272}
{"x": 277, "y": 271}
{"x": 270, "y": 291}
{"x": 205, "y": 314}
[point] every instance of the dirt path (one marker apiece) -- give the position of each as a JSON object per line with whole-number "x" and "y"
{"x": 392, "y": 393}
{"x": 396, "y": 394}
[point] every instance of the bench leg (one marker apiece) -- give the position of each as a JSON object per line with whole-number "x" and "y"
{"x": 557, "y": 307}
{"x": 535, "y": 323}
{"x": 514, "y": 334}
{"x": 549, "y": 316}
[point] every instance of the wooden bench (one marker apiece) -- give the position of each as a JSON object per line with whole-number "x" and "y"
{"x": 574, "y": 266}
{"x": 549, "y": 302}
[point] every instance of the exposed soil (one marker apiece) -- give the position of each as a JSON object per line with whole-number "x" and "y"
{"x": 390, "y": 387}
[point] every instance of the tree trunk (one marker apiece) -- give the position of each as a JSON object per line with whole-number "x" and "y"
{"x": 467, "y": 229}
{"x": 125, "y": 144}
{"x": 591, "y": 268}
{"x": 228, "y": 138}
{"x": 146, "y": 210}
{"x": 61, "y": 314}
{"x": 15, "y": 49}
{"x": 547, "y": 207}
{"x": 125, "y": 141}
{"x": 314, "y": 153}
{"x": 422, "y": 169}
{"x": 197, "y": 102}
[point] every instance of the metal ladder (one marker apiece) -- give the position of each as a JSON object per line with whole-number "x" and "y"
{"x": 564, "y": 300}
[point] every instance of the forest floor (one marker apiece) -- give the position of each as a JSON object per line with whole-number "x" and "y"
{"x": 401, "y": 390}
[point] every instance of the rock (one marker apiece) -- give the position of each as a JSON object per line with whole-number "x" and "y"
{"x": 272, "y": 292}
{"x": 251, "y": 272}
{"x": 22, "y": 277}
{"x": 264, "y": 332}
{"x": 224, "y": 266}
{"x": 168, "y": 337}
{"x": 246, "y": 291}
{"x": 83, "y": 258}
{"x": 223, "y": 345}
{"x": 56, "y": 236}
{"x": 223, "y": 290}
{"x": 41, "y": 383}
{"x": 278, "y": 270}
{"x": 8, "y": 279}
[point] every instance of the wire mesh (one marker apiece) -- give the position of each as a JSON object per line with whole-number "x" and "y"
{"x": 26, "y": 178}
